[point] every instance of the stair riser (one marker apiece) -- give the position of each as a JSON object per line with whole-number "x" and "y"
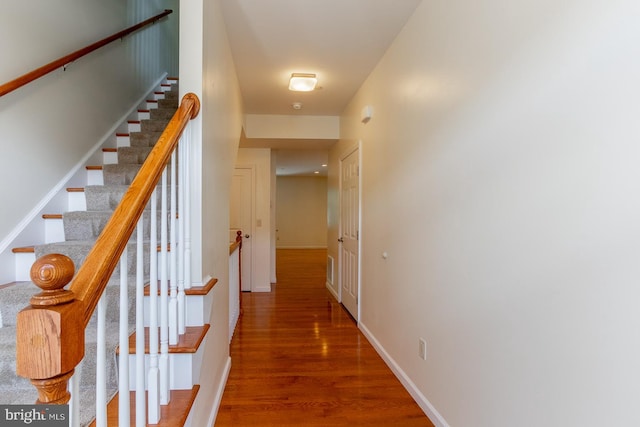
{"x": 109, "y": 158}
{"x": 53, "y": 230}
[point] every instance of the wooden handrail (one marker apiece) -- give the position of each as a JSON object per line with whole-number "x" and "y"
{"x": 65, "y": 313}
{"x": 65, "y": 60}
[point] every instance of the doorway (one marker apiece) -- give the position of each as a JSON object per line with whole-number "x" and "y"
{"x": 349, "y": 245}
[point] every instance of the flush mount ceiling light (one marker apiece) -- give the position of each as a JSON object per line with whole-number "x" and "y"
{"x": 302, "y": 82}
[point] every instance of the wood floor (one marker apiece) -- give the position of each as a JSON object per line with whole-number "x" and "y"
{"x": 298, "y": 359}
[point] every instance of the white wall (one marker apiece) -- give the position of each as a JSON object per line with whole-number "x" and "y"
{"x": 500, "y": 174}
{"x": 301, "y": 212}
{"x": 51, "y": 125}
{"x": 261, "y": 238}
{"x": 207, "y": 69}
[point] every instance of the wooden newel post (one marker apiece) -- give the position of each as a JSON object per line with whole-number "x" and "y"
{"x": 50, "y": 333}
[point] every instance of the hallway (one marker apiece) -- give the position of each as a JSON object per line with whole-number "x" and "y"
{"x": 299, "y": 360}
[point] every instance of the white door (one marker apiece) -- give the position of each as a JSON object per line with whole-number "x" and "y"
{"x": 349, "y": 231}
{"x": 241, "y": 218}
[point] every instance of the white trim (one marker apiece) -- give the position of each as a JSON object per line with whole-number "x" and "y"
{"x": 60, "y": 186}
{"x": 219, "y": 393}
{"x": 413, "y": 390}
{"x": 302, "y": 247}
{"x": 333, "y": 291}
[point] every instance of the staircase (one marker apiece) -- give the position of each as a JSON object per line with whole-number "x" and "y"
{"x": 72, "y": 233}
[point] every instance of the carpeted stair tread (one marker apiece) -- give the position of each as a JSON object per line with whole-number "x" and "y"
{"x": 162, "y": 113}
{"x": 154, "y": 125}
{"x": 133, "y": 155}
{"x": 119, "y": 174}
{"x": 107, "y": 197}
{"x": 87, "y": 225}
{"x": 144, "y": 139}
{"x": 17, "y": 297}
{"x": 168, "y": 103}
{"x": 78, "y": 250}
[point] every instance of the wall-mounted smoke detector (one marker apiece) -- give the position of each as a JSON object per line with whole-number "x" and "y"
{"x": 297, "y": 105}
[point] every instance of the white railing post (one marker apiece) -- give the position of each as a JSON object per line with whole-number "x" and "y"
{"x": 173, "y": 302}
{"x": 234, "y": 290}
{"x": 164, "y": 291}
{"x": 123, "y": 377}
{"x": 141, "y": 403}
{"x": 154, "y": 372}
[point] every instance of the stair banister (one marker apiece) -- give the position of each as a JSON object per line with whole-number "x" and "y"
{"x": 94, "y": 274}
{"x": 67, "y": 59}
{"x": 50, "y": 333}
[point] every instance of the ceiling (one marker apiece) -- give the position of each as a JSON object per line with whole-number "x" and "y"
{"x": 340, "y": 41}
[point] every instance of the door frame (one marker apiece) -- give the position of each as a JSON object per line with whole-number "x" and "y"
{"x": 356, "y": 147}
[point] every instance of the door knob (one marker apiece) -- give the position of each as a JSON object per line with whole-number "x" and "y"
{"x": 246, "y": 236}
{"x": 341, "y": 240}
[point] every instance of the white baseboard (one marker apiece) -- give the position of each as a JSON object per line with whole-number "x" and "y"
{"x": 417, "y": 395}
{"x": 219, "y": 393}
{"x": 333, "y": 291}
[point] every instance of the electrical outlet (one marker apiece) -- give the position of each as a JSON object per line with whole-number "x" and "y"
{"x": 422, "y": 349}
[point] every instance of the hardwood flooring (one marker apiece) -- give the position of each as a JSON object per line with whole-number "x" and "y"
{"x": 298, "y": 359}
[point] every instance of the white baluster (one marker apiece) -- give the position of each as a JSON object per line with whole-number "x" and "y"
{"x": 123, "y": 378}
{"x": 173, "y": 302}
{"x": 141, "y": 403}
{"x": 164, "y": 300}
{"x": 74, "y": 403}
{"x": 154, "y": 372}
{"x": 182, "y": 314}
{"x": 101, "y": 365}
{"x": 187, "y": 213}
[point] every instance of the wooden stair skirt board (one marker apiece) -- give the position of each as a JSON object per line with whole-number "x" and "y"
{"x": 174, "y": 414}
{"x": 194, "y": 290}
{"x": 187, "y": 343}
